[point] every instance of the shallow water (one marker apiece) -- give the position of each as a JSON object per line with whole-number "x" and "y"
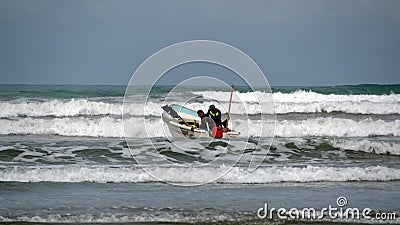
{"x": 63, "y": 157}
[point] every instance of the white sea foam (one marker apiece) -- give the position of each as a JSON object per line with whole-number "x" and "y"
{"x": 324, "y": 127}
{"x": 152, "y": 215}
{"x": 77, "y": 126}
{"x": 311, "y": 102}
{"x": 297, "y": 97}
{"x": 275, "y": 174}
{"x": 115, "y": 218}
{"x": 57, "y": 108}
{"x": 246, "y": 103}
{"x": 363, "y": 107}
{"x": 370, "y": 146}
{"x": 74, "y": 107}
{"x": 112, "y": 127}
{"x": 243, "y": 108}
{"x": 167, "y": 217}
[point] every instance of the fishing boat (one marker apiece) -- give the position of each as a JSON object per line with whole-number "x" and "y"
{"x": 184, "y": 122}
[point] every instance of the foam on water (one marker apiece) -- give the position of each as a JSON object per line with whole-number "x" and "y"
{"x": 73, "y": 107}
{"x": 335, "y": 127}
{"x": 112, "y": 127}
{"x": 370, "y": 146}
{"x": 299, "y": 102}
{"x": 299, "y": 96}
{"x": 307, "y": 152}
{"x": 180, "y": 216}
{"x": 191, "y": 175}
{"x": 363, "y": 107}
{"x": 150, "y": 215}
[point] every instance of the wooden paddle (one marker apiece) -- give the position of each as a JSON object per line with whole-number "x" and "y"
{"x": 229, "y": 108}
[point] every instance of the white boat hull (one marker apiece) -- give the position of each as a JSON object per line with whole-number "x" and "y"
{"x": 179, "y": 129}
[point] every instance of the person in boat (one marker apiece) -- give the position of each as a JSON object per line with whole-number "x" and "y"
{"x": 215, "y": 114}
{"x": 206, "y": 122}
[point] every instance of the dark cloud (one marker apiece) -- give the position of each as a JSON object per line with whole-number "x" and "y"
{"x": 305, "y": 42}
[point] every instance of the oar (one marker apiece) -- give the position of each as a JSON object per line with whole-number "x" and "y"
{"x": 229, "y": 107}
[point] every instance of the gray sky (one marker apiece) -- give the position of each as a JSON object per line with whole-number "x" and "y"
{"x": 303, "y": 42}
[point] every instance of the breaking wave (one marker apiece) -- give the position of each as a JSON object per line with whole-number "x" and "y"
{"x": 369, "y": 146}
{"x": 299, "y": 96}
{"x": 263, "y": 175}
{"x": 246, "y": 103}
{"x": 112, "y": 127}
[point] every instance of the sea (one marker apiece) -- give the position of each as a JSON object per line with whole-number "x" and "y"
{"x": 64, "y": 157}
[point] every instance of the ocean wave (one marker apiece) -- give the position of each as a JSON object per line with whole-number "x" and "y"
{"x": 190, "y": 175}
{"x": 172, "y": 216}
{"x": 369, "y": 146}
{"x": 81, "y": 107}
{"x": 300, "y": 96}
{"x": 252, "y": 108}
{"x": 113, "y": 127}
{"x": 323, "y": 127}
{"x": 363, "y": 107}
{"x": 79, "y": 126}
{"x": 147, "y": 215}
{"x": 58, "y": 108}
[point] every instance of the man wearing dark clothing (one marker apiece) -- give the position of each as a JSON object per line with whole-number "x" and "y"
{"x": 215, "y": 114}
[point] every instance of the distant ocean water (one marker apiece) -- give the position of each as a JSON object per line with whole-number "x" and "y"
{"x": 63, "y": 157}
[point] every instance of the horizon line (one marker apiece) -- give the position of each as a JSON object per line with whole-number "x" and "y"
{"x": 164, "y": 85}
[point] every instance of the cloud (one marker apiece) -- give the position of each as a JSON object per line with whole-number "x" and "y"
{"x": 305, "y": 37}
{"x": 178, "y": 12}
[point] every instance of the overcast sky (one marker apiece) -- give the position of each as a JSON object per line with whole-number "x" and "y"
{"x": 302, "y": 42}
